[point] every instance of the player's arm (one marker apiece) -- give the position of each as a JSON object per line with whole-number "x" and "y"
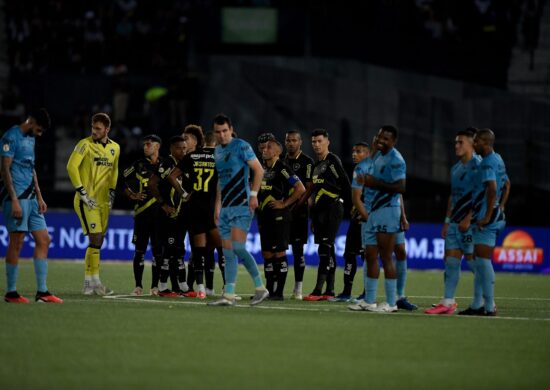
{"x": 113, "y": 180}
{"x": 404, "y": 221}
{"x": 258, "y": 174}
{"x": 398, "y": 186}
{"x": 505, "y": 194}
{"x": 130, "y": 179}
{"x": 299, "y": 190}
{"x": 447, "y": 219}
{"x": 73, "y": 165}
{"x": 173, "y": 180}
{"x": 217, "y": 205}
{"x": 490, "y": 197}
{"x": 42, "y": 206}
{"x": 356, "y": 199}
{"x": 16, "y": 212}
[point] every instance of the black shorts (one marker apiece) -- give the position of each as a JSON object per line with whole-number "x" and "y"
{"x": 353, "y": 237}
{"x": 325, "y": 221}
{"x": 171, "y": 231}
{"x": 145, "y": 229}
{"x": 299, "y": 229}
{"x": 200, "y": 217}
{"x": 274, "y": 230}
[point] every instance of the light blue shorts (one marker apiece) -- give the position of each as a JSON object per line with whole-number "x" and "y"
{"x": 368, "y": 238}
{"x": 456, "y": 239}
{"x": 488, "y": 236}
{"x": 31, "y": 221}
{"x": 385, "y": 220}
{"x": 238, "y": 217}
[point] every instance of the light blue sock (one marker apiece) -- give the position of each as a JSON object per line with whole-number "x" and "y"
{"x": 231, "y": 267}
{"x": 401, "y": 267}
{"x": 41, "y": 273}
{"x": 249, "y": 263}
{"x": 371, "y": 288}
{"x": 391, "y": 290}
{"x": 452, "y": 275}
{"x": 11, "y": 274}
{"x": 487, "y": 282}
{"x": 477, "y": 300}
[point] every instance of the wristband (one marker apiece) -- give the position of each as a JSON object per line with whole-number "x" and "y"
{"x": 447, "y": 220}
{"x": 253, "y": 193}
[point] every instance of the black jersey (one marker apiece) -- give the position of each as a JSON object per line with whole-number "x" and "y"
{"x": 136, "y": 179}
{"x": 168, "y": 193}
{"x": 277, "y": 183}
{"x": 200, "y": 175}
{"x": 302, "y": 166}
{"x": 330, "y": 181}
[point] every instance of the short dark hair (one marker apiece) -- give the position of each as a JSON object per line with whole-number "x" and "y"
{"x": 210, "y": 138}
{"x": 264, "y": 137}
{"x": 152, "y": 138}
{"x": 318, "y": 132}
{"x": 294, "y": 132}
{"x": 390, "y": 129}
{"x": 364, "y": 144}
{"x": 42, "y": 118}
{"x": 195, "y": 131}
{"x": 176, "y": 139}
{"x": 101, "y": 117}
{"x": 221, "y": 119}
{"x": 468, "y": 132}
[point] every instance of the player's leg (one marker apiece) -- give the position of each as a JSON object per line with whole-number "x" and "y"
{"x": 281, "y": 239}
{"x": 386, "y": 243}
{"x": 199, "y": 262}
{"x": 167, "y": 233}
{"x": 401, "y": 270}
{"x": 298, "y": 238}
{"x": 16, "y": 240}
{"x": 351, "y": 250}
{"x": 140, "y": 240}
{"x": 281, "y": 268}
{"x": 269, "y": 272}
{"x": 156, "y": 261}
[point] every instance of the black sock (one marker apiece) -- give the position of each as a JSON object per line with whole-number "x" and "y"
{"x": 282, "y": 272}
{"x": 174, "y": 274}
{"x": 199, "y": 258}
{"x": 221, "y": 262}
{"x": 323, "y": 269}
{"x": 331, "y": 274}
{"x": 165, "y": 270}
{"x": 209, "y": 268}
{"x": 299, "y": 262}
{"x": 138, "y": 267}
{"x": 191, "y": 273}
{"x": 269, "y": 275}
{"x": 350, "y": 269}
{"x": 155, "y": 270}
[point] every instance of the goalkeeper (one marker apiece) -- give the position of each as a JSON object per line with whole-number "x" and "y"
{"x": 93, "y": 170}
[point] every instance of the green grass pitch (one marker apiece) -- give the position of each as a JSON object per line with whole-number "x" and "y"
{"x": 145, "y": 342}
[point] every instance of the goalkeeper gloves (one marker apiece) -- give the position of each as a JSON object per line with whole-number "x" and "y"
{"x": 90, "y": 202}
{"x": 112, "y": 194}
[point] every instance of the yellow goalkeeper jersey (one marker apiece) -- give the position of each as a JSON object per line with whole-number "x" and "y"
{"x": 94, "y": 166}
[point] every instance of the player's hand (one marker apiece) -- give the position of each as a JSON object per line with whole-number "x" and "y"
{"x": 169, "y": 210}
{"x": 481, "y": 223}
{"x": 42, "y": 206}
{"x": 444, "y": 230}
{"x": 16, "y": 210}
{"x": 277, "y": 204}
{"x": 112, "y": 194}
{"x": 369, "y": 181}
{"x": 404, "y": 224}
{"x": 139, "y": 196}
{"x": 90, "y": 202}
{"x": 464, "y": 225}
{"x": 253, "y": 203}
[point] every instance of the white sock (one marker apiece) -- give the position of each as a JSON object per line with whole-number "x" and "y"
{"x": 201, "y": 288}
{"x": 183, "y": 286}
{"x": 163, "y": 286}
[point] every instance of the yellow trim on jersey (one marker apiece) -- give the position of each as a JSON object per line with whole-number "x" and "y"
{"x": 139, "y": 210}
{"x": 266, "y": 201}
{"x": 325, "y": 192}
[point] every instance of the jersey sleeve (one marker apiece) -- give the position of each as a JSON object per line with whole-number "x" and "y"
{"x": 398, "y": 170}
{"x": 75, "y": 160}
{"x": 187, "y": 178}
{"x": 309, "y": 171}
{"x": 487, "y": 173}
{"x": 290, "y": 176}
{"x": 340, "y": 174}
{"x": 114, "y": 172}
{"x": 9, "y": 144}
{"x": 357, "y": 173}
{"x": 129, "y": 176}
{"x": 246, "y": 151}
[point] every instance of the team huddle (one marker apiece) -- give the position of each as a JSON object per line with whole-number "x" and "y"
{"x": 212, "y": 184}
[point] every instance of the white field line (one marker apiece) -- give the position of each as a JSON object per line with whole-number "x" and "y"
{"x": 179, "y": 301}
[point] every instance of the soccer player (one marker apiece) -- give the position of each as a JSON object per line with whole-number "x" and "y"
{"x": 388, "y": 179}
{"x": 136, "y": 180}
{"x": 236, "y": 202}
{"x": 279, "y": 190}
{"x": 456, "y": 230}
{"x": 93, "y": 170}
{"x": 172, "y": 224}
{"x": 197, "y": 170}
{"x": 330, "y": 183}
{"x": 491, "y": 190}
{"x": 353, "y": 247}
{"x": 24, "y": 206}
{"x": 302, "y": 165}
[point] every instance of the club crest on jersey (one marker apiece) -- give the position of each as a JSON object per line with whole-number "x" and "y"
{"x": 6, "y": 147}
{"x": 112, "y": 152}
{"x": 92, "y": 225}
{"x": 295, "y": 166}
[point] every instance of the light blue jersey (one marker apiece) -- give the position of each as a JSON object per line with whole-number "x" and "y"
{"x": 462, "y": 187}
{"x": 234, "y": 172}
{"x": 20, "y": 148}
{"x": 491, "y": 168}
{"x": 363, "y": 168}
{"x": 388, "y": 168}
